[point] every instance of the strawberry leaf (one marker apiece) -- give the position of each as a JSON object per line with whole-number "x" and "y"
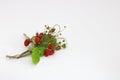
{"x": 41, "y": 51}
{"x": 35, "y": 55}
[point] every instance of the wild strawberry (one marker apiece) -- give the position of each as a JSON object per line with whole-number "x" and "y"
{"x": 49, "y": 52}
{"x": 37, "y": 39}
{"x": 40, "y": 35}
{"x": 51, "y": 46}
{"x": 27, "y": 42}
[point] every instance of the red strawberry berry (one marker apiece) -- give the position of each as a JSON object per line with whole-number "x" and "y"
{"x": 51, "y": 46}
{"x": 40, "y": 35}
{"x": 49, "y": 52}
{"x": 27, "y": 42}
{"x": 37, "y": 39}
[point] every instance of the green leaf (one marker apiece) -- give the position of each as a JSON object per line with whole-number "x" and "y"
{"x": 41, "y": 51}
{"x": 45, "y": 45}
{"x": 35, "y": 55}
{"x": 37, "y": 52}
{"x": 53, "y": 41}
{"x": 47, "y": 39}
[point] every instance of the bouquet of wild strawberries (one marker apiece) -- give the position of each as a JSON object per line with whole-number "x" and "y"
{"x": 43, "y": 44}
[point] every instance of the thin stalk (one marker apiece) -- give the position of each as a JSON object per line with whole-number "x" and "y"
{"x": 25, "y": 53}
{"x": 26, "y": 36}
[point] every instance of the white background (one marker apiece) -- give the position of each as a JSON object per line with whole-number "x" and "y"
{"x": 93, "y": 36}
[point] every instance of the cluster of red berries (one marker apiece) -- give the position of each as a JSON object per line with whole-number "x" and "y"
{"x": 49, "y": 51}
{"x": 37, "y": 39}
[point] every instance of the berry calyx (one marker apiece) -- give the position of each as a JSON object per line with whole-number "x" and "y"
{"x": 58, "y": 48}
{"x": 37, "y": 34}
{"x": 37, "y": 39}
{"x": 51, "y": 46}
{"x": 27, "y": 42}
